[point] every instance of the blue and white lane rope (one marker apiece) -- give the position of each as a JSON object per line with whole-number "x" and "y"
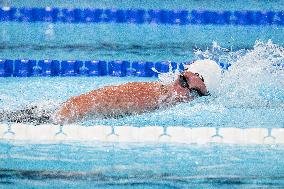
{"x": 141, "y": 16}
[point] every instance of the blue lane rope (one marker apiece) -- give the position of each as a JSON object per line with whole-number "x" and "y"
{"x": 118, "y": 68}
{"x": 140, "y": 16}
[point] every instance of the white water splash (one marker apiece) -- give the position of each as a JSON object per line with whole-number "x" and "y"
{"x": 255, "y": 77}
{"x": 169, "y": 77}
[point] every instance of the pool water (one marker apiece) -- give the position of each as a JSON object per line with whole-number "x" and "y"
{"x": 250, "y": 94}
{"x": 125, "y": 41}
{"x": 118, "y": 165}
{"x": 204, "y": 112}
{"x": 252, "y": 88}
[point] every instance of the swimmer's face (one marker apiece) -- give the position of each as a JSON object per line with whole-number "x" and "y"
{"x": 194, "y": 82}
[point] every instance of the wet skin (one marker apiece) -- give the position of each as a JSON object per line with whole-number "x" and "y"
{"x": 129, "y": 98}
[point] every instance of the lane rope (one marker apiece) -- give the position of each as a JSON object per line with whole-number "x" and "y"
{"x": 141, "y": 16}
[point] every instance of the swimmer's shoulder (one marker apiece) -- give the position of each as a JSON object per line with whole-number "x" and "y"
{"x": 124, "y": 87}
{"x": 137, "y": 83}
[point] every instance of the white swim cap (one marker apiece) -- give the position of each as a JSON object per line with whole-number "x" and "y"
{"x": 210, "y": 71}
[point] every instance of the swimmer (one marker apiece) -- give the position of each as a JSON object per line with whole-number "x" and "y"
{"x": 116, "y": 101}
{"x": 132, "y": 98}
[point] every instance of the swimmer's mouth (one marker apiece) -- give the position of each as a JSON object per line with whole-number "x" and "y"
{"x": 196, "y": 93}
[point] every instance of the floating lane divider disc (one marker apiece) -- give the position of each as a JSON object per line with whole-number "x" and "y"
{"x": 117, "y": 68}
{"x": 6, "y": 68}
{"x": 23, "y": 68}
{"x": 140, "y": 16}
{"x": 47, "y": 68}
{"x": 143, "y": 69}
{"x": 96, "y": 68}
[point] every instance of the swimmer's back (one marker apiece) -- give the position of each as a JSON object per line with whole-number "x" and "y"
{"x": 128, "y": 98}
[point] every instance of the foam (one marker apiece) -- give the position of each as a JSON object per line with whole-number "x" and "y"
{"x": 252, "y": 80}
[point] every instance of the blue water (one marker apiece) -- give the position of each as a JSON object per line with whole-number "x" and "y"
{"x": 211, "y": 111}
{"x": 113, "y": 165}
{"x": 149, "y": 4}
{"x": 124, "y": 41}
{"x": 251, "y": 94}
{"x": 252, "y": 89}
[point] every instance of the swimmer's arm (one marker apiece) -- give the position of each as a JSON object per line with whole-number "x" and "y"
{"x": 74, "y": 108}
{"x": 79, "y": 106}
{"x": 135, "y": 97}
{"x": 65, "y": 114}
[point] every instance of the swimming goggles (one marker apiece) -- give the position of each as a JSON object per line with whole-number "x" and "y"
{"x": 184, "y": 82}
